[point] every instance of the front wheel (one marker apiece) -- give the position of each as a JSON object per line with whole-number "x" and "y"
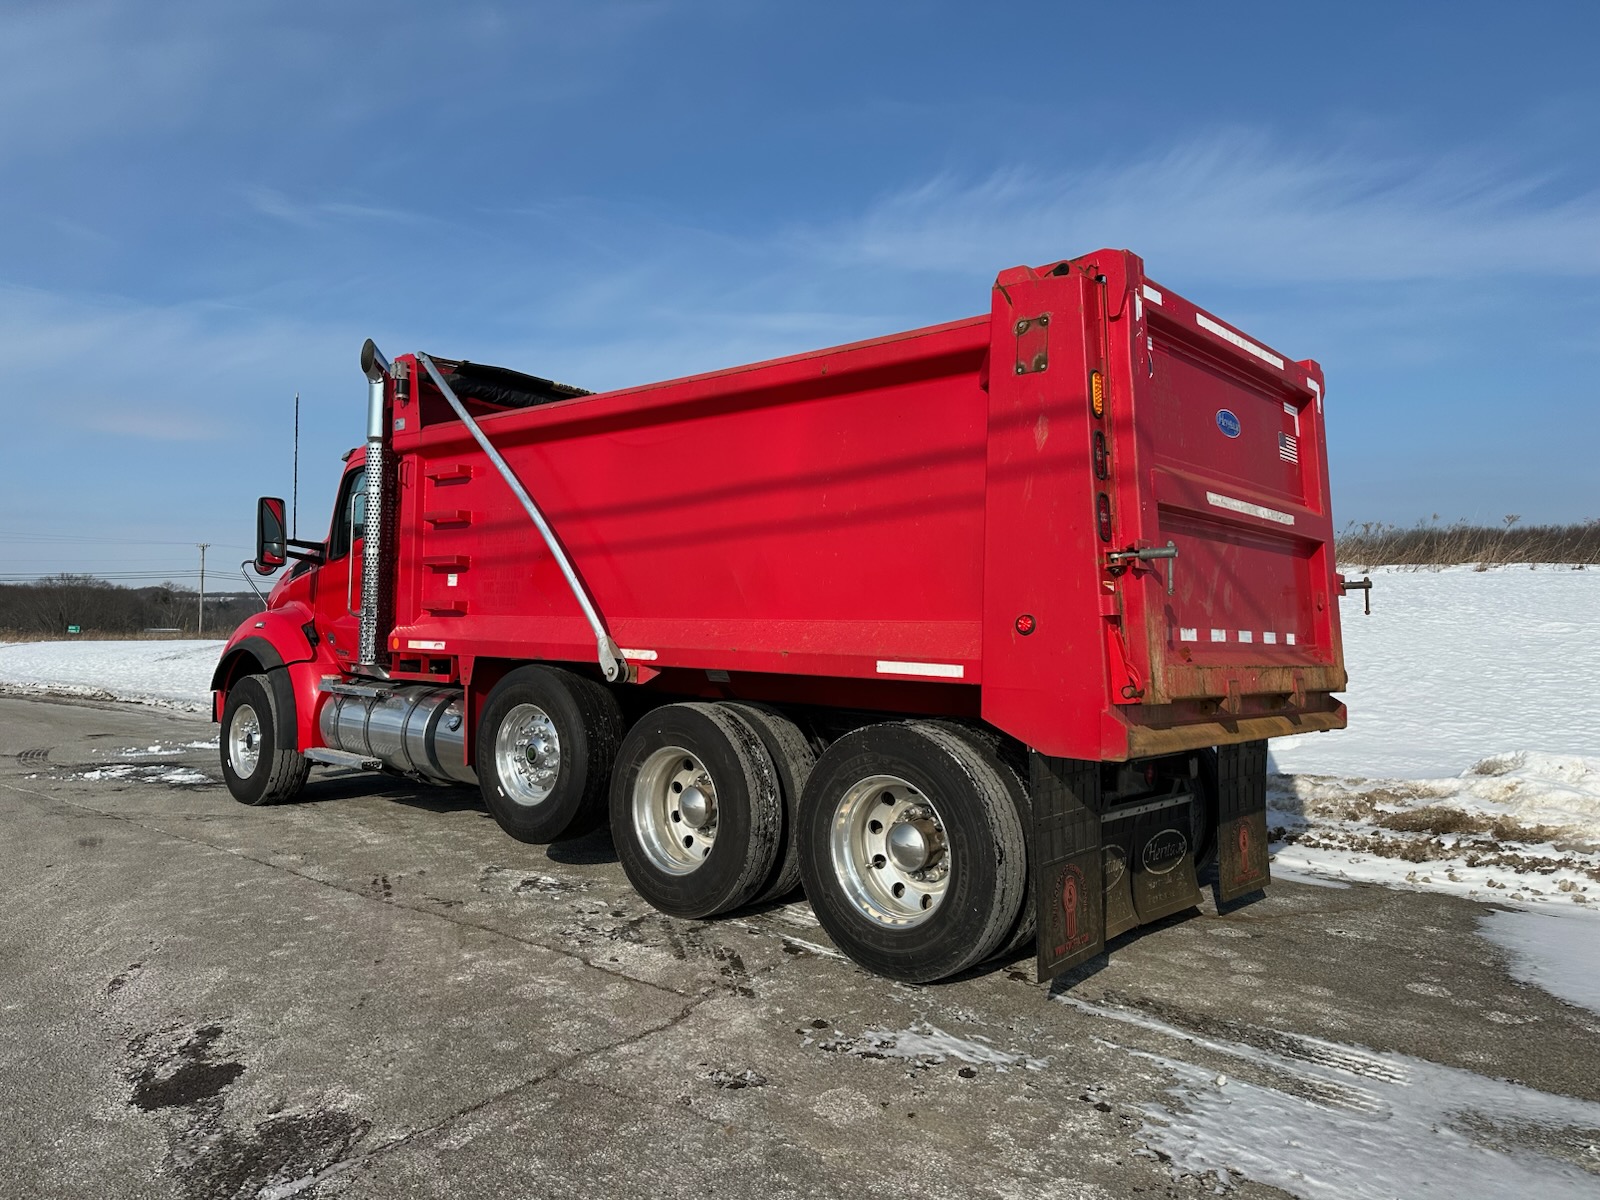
{"x": 254, "y": 766}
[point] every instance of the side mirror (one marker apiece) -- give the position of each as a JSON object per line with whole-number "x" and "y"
{"x": 272, "y": 546}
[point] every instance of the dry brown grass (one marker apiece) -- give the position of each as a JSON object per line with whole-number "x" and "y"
{"x": 1429, "y": 544}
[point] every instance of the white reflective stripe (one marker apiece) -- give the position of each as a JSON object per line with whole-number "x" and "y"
{"x": 936, "y": 670}
{"x": 1252, "y": 510}
{"x": 645, "y": 655}
{"x": 1138, "y": 308}
{"x": 414, "y": 645}
{"x": 1245, "y": 344}
{"x": 1317, "y": 388}
{"x": 1219, "y": 635}
{"x": 1188, "y": 635}
{"x": 1247, "y": 636}
{"x": 1151, "y": 294}
{"x": 1270, "y": 638}
{"x": 1289, "y": 638}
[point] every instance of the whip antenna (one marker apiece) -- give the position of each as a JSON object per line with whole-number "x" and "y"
{"x": 294, "y": 514}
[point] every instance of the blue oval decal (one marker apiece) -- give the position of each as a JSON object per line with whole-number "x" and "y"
{"x": 1227, "y": 422}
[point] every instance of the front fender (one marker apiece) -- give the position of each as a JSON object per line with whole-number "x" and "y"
{"x": 269, "y": 644}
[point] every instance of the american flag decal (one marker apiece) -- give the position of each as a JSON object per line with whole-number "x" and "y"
{"x": 1288, "y": 447}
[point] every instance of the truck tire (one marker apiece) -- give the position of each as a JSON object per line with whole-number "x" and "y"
{"x": 255, "y": 769}
{"x": 695, "y": 811}
{"x": 544, "y": 748}
{"x": 792, "y": 759}
{"x": 912, "y": 850}
{"x": 1020, "y": 937}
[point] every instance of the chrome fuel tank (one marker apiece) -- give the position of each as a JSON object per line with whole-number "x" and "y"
{"x": 417, "y": 729}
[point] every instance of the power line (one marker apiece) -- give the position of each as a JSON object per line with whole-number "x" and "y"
{"x": 89, "y": 539}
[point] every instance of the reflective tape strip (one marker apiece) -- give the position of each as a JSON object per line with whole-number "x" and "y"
{"x": 1245, "y": 344}
{"x": 1151, "y": 294}
{"x": 1253, "y": 510}
{"x": 933, "y": 670}
{"x": 642, "y": 655}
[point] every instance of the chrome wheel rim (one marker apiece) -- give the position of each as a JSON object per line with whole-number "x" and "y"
{"x": 527, "y": 755}
{"x": 675, "y": 810}
{"x": 889, "y": 851}
{"x": 244, "y": 741}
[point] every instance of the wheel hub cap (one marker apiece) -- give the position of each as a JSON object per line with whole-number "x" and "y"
{"x": 696, "y": 807}
{"x": 912, "y": 844}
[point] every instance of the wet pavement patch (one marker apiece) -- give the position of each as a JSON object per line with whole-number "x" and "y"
{"x": 178, "y": 1076}
{"x": 187, "y": 1076}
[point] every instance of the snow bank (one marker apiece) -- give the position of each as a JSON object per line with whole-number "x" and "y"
{"x": 1523, "y": 828}
{"x": 175, "y": 675}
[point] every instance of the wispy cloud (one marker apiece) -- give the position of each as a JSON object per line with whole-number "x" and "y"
{"x": 317, "y": 214}
{"x": 1238, "y": 207}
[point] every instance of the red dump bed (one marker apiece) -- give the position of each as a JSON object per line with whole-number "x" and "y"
{"x": 922, "y": 522}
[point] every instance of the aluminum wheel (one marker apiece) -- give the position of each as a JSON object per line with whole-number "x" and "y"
{"x": 244, "y": 741}
{"x": 889, "y": 851}
{"x": 527, "y": 755}
{"x": 675, "y": 810}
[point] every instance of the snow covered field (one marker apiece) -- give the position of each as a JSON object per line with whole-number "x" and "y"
{"x": 1472, "y": 760}
{"x": 174, "y": 674}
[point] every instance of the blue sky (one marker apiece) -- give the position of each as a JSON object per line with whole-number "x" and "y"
{"x": 205, "y": 208}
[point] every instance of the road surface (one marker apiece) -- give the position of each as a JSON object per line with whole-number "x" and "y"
{"x": 375, "y": 993}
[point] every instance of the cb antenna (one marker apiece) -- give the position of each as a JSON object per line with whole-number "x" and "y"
{"x": 294, "y": 517}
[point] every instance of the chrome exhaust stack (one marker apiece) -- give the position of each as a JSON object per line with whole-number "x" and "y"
{"x": 378, "y": 372}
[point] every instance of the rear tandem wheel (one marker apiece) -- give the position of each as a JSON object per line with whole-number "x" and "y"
{"x": 544, "y": 748}
{"x": 695, "y": 811}
{"x": 912, "y": 849}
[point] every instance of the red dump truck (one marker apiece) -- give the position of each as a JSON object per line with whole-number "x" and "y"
{"x": 976, "y": 632}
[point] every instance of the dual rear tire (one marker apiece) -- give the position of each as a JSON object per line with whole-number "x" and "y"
{"x": 913, "y": 851}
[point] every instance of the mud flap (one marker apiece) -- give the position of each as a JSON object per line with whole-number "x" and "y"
{"x": 1162, "y": 862}
{"x": 1241, "y": 821}
{"x": 1068, "y": 883}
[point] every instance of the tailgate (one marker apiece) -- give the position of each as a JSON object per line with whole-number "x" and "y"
{"x": 1225, "y": 439}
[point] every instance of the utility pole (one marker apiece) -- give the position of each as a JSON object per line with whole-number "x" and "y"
{"x": 201, "y": 626}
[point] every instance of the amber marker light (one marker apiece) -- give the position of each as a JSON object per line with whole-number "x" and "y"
{"x": 1097, "y": 393}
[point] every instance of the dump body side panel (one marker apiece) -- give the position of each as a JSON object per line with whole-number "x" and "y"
{"x": 822, "y": 515}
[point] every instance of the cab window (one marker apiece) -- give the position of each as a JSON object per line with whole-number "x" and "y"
{"x": 350, "y": 514}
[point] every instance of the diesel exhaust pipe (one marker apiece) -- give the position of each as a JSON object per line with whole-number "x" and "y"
{"x": 377, "y": 370}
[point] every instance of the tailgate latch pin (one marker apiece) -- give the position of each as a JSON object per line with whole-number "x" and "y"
{"x": 1150, "y": 553}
